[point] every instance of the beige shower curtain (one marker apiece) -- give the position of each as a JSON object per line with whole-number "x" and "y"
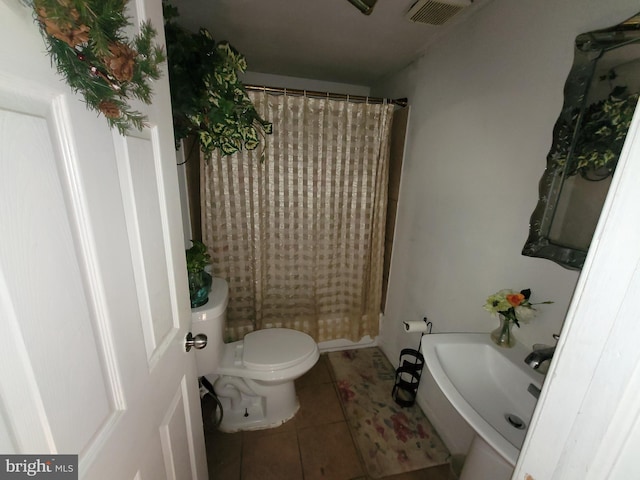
{"x": 300, "y": 236}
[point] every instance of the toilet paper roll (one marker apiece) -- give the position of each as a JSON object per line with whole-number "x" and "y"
{"x": 418, "y": 326}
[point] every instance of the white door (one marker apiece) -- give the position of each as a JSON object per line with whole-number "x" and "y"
{"x": 94, "y": 305}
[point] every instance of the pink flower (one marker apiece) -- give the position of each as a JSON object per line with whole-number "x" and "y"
{"x": 402, "y": 457}
{"x": 400, "y": 428}
{"x": 379, "y": 428}
{"x": 345, "y": 390}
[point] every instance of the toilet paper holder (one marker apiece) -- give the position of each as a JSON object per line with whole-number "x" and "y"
{"x": 408, "y": 373}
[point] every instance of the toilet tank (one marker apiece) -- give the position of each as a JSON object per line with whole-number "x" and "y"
{"x": 211, "y": 319}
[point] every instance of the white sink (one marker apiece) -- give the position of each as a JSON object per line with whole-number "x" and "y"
{"x": 485, "y": 383}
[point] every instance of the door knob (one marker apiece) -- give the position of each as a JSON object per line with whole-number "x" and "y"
{"x": 198, "y": 342}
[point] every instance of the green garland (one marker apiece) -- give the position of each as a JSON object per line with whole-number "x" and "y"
{"x": 207, "y": 97}
{"x": 86, "y": 42}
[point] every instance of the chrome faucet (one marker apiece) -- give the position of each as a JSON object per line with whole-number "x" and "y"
{"x": 535, "y": 358}
{"x": 541, "y": 353}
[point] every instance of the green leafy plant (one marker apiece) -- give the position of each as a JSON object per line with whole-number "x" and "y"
{"x": 199, "y": 280}
{"x": 601, "y": 135}
{"x": 87, "y": 44}
{"x": 197, "y": 257}
{"x": 207, "y": 97}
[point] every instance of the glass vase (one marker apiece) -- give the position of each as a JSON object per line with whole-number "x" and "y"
{"x": 503, "y": 336}
{"x": 199, "y": 288}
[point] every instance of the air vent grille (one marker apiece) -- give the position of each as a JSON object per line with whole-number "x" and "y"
{"x": 434, "y": 13}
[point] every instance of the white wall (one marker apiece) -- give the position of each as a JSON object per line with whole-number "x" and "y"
{"x": 484, "y": 100}
{"x": 283, "y": 81}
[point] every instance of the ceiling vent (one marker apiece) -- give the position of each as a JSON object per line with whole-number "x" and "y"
{"x": 435, "y": 12}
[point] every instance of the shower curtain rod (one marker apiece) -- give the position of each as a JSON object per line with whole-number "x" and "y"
{"x": 402, "y": 102}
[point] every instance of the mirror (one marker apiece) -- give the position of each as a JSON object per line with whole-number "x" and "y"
{"x": 600, "y": 96}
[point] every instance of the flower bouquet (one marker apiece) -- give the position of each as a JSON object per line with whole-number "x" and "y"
{"x": 512, "y": 308}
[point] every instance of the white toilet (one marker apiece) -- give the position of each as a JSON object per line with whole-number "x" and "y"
{"x": 254, "y": 377}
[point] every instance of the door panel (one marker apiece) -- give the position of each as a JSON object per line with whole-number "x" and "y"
{"x": 38, "y": 243}
{"x": 174, "y": 431}
{"x": 140, "y": 169}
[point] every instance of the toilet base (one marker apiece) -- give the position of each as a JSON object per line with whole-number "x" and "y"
{"x": 253, "y": 405}
{"x": 237, "y": 422}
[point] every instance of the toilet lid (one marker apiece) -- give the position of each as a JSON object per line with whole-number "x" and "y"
{"x": 276, "y": 348}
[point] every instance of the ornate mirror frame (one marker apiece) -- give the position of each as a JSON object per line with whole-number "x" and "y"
{"x": 557, "y": 232}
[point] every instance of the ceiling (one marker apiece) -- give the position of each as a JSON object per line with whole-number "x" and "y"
{"x": 326, "y": 40}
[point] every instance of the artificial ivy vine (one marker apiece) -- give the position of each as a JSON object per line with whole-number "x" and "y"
{"x": 86, "y": 42}
{"x": 207, "y": 97}
{"x": 600, "y": 138}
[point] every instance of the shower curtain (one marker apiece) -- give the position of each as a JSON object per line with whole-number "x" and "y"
{"x": 299, "y": 236}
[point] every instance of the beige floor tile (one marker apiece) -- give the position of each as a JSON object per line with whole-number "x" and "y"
{"x": 271, "y": 457}
{"x": 317, "y": 441}
{"x": 441, "y": 472}
{"x": 224, "y": 455}
{"x": 288, "y": 426}
{"x": 319, "y": 405}
{"x": 328, "y": 453}
{"x": 318, "y": 374}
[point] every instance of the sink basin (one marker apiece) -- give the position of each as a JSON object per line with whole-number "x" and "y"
{"x": 486, "y": 384}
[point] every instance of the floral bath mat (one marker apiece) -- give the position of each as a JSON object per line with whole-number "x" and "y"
{"x": 392, "y": 439}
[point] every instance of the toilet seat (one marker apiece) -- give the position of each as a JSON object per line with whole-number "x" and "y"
{"x": 269, "y": 355}
{"x": 276, "y": 349}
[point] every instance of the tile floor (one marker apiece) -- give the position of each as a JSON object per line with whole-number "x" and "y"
{"x": 315, "y": 444}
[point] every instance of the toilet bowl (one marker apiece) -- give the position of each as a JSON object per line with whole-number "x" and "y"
{"x": 253, "y": 378}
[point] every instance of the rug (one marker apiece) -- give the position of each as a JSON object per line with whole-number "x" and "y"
{"x": 392, "y": 439}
